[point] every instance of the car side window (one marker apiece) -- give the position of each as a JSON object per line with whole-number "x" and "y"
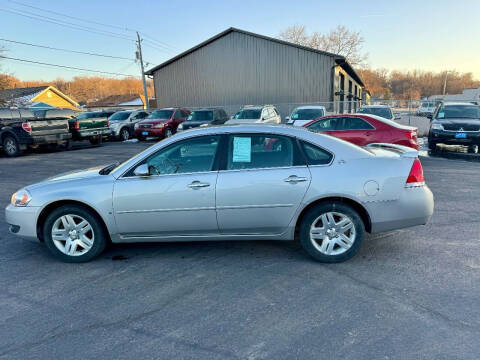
{"x": 328, "y": 124}
{"x": 257, "y": 151}
{"x": 187, "y": 156}
{"x": 353, "y": 123}
{"x": 184, "y": 114}
{"x": 178, "y": 114}
{"x": 316, "y": 155}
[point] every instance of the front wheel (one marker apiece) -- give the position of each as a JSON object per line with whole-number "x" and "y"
{"x": 74, "y": 234}
{"x": 332, "y": 232}
{"x": 124, "y": 134}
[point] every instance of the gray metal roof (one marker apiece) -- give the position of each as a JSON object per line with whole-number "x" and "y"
{"x": 340, "y": 60}
{"x": 10, "y": 94}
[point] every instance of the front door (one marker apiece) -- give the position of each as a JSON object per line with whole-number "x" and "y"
{"x": 177, "y": 199}
{"x": 262, "y": 185}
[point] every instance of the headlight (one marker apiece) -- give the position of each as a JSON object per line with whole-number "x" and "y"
{"x": 21, "y": 198}
{"x": 436, "y": 126}
{"x": 136, "y": 126}
{"x": 159, "y": 125}
{"x": 180, "y": 127}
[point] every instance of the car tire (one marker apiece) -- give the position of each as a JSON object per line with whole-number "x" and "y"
{"x": 67, "y": 247}
{"x": 11, "y": 147}
{"x": 340, "y": 235}
{"x": 432, "y": 145}
{"x": 168, "y": 132}
{"x": 124, "y": 134}
{"x": 472, "y": 149}
{"x": 96, "y": 140}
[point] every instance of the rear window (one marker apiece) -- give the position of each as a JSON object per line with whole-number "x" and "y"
{"x": 307, "y": 114}
{"x": 121, "y": 115}
{"x": 248, "y": 114}
{"x": 380, "y": 111}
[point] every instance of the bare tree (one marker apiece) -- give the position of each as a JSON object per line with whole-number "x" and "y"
{"x": 340, "y": 41}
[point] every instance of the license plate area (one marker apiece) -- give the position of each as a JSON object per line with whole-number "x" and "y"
{"x": 144, "y": 132}
{"x": 460, "y": 135}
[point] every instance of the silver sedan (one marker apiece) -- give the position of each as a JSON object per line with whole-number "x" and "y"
{"x": 261, "y": 182}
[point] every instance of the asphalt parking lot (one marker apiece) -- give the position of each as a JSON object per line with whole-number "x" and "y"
{"x": 410, "y": 294}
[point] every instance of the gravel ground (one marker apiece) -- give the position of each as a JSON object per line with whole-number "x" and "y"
{"x": 410, "y": 294}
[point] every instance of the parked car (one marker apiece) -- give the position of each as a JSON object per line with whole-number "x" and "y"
{"x": 161, "y": 123}
{"x": 122, "y": 123}
{"x": 455, "y": 124}
{"x": 204, "y": 117}
{"x": 426, "y": 109}
{"x": 228, "y": 183}
{"x": 365, "y": 129}
{"x": 304, "y": 114}
{"x": 91, "y": 125}
{"x": 266, "y": 114}
{"x": 379, "y": 110}
{"x": 23, "y": 128}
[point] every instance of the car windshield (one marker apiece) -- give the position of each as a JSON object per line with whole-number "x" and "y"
{"x": 200, "y": 116}
{"x": 160, "y": 114}
{"x": 121, "y": 115}
{"x": 86, "y": 115}
{"x": 459, "y": 112}
{"x": 307, "y": 114}
{"x": 379, "y": 111}
{"x": 248, "y": 114}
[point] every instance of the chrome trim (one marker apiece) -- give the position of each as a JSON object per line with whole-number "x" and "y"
{"x": 253, "y": 206}
{"x": 165, "y": 210}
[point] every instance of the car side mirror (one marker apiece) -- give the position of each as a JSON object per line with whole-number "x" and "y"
{"x": 287, "y": 118}
{"x": 142, "y": 170}
{"x": 263, "y": 118}
{"x": 430, "y": 116}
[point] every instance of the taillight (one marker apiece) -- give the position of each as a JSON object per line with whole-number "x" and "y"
{"x": 412, "y": 134}
{"x": 77, "y": 125}
{"x": 416, "y": 178}
{"x": 27, "y": 127}
{"x": 108, "y": 123}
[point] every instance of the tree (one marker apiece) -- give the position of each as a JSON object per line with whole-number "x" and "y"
{"x": 340, "y": 41}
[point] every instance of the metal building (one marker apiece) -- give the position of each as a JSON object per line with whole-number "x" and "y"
{"x": 237, "y": 67}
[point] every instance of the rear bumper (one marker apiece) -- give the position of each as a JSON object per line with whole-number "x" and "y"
{"x": 448, "y": 137}
{"x": 414, "y": 207}
{"x": 46, "y": 139}
{"x": 81, "y": 134}
{"x": 22, "y": 221}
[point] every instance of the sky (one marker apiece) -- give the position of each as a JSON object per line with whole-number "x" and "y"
{"x": 399, "y": 35}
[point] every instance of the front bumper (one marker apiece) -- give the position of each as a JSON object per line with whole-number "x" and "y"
{"x": 413, "y": 207}
{"x": 22, "y": 221}
{"x": 448, "y": 137}
{"x": 153, "y": 132}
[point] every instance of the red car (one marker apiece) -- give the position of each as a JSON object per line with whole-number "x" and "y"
{"x": 161, "y": 123}
{"x": 365, "y": 129}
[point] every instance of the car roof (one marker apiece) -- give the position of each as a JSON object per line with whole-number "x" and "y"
{"x": 459, "y": 103}
{"x": 371, "y": 116}
{"x": 311, "y": 107}
{"x": 374, "y": 106}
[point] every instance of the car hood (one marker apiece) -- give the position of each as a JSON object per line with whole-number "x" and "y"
{"x": 155, "y": 121}
{"x": 458, "y": 121}
{"x": 243, "y": 121}
{"x": 71, "y": 175}
{"x": 193, "y": 123}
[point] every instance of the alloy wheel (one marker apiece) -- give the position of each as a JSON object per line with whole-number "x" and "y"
{"x": 124, "y": 134}
{"x": 72, "y": 235}
{"x": 332, "y": 233}
{"x": 10, "y": 146}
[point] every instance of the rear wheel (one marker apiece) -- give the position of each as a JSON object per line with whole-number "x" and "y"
{"x": 96, "y": 140}
{"x": 11, "y": 146}
{"x": 332, "y": 232}
{"x": 124, "y": 134}
{"x": 74, "y": 234}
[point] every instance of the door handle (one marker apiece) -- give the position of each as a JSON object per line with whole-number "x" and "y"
{"x": 197, "y": 185}
{"x": 295, "y": 179}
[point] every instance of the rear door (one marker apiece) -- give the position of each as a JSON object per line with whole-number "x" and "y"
{"x": 262, "y": 184}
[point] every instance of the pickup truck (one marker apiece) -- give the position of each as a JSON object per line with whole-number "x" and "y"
{"x": 25, "y": 128}
{"x": 91, "y": 125}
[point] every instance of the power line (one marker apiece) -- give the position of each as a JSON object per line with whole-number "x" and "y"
{"x": 160, "y": 43}
{"x": 67, "y": 24}
{"x": 64, "y": 66}
{"x": 67, "y": 50}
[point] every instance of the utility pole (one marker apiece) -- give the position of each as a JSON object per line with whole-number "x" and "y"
{"x": 139, "y": 57}
{"x": 445, "y": 83}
